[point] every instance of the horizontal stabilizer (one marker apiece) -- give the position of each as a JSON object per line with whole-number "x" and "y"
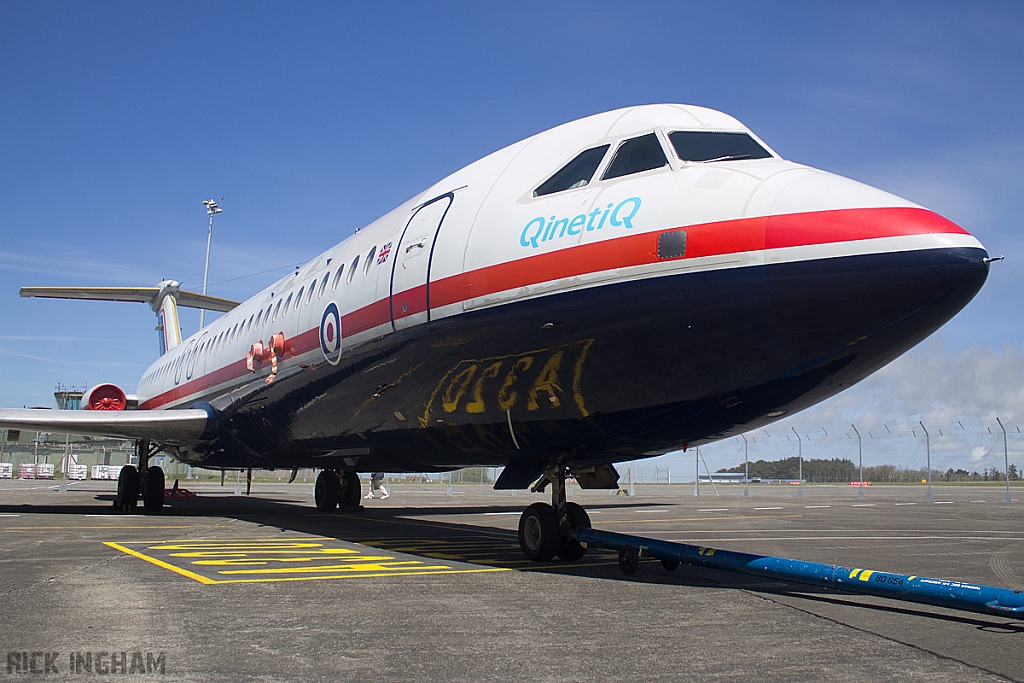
{"x": 146, "y": 295}
{"x": 163, "y": 426}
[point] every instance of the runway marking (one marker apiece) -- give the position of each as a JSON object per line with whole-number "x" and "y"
{"x": 497, "y": 514}
{"x": 944, "y": 502}
{"x": 898, "y": 504}
{"x": 771, "y": 508}
{"x": 263, "y": 560}
{"x": 713, "y": 510}
{"x": 697, "y": 519}
{"x": 6, "y": 515}
{"x": 813, "y": 507}
{"x": 863, "y": 505}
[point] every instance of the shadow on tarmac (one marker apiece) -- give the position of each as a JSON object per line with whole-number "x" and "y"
{"x": 400, "y": 530}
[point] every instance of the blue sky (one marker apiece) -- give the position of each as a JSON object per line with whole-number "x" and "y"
{"x": 313, "y": 119}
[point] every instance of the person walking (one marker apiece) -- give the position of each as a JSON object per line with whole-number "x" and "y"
{"x": 377, "y": 484}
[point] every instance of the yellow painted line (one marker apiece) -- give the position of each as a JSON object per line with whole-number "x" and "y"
{"x": 214, "y": 553}
{"x": 160, "y": 563}
{"x": 236, "y": 562}
{"x": 347, "y": 568}
{"x": 293, "y": 546}
{"x": 363, "y": 576}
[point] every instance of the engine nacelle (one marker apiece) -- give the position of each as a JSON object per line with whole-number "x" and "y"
{"x": 104, "y": 397}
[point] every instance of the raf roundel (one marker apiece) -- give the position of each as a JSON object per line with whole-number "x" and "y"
{"x": 330, "y": 334}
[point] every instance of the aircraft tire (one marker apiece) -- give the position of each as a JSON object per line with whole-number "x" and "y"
{"x": 326, "y": 491}
{"x": 127, "y": 488}
{"x": 352, "y": 492}
{"x": 629, "y": 559}
{"x": 538, "y": 532}
{"x": 571, "y": 549}
{"x": 154, "y": 499}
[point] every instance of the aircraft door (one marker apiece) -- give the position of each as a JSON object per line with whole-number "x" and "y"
{"x": 410, "y": 270}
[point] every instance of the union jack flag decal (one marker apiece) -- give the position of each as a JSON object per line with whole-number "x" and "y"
{"x": 385, "y": 251}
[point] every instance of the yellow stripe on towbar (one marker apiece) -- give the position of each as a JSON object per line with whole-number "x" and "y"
{"x": 853, "y": 574}
{"x": 866, "y": 574}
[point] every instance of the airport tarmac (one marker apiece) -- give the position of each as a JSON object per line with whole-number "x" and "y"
{"x": 429, "y": 587}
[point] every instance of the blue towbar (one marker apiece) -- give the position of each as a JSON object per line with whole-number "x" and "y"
{"x": 954, "y": 594}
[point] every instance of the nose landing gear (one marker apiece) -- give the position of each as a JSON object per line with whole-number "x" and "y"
{"x": 547, "y": 530}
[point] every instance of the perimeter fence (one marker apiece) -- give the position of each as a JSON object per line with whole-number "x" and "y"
{"x": 958, "y": 461}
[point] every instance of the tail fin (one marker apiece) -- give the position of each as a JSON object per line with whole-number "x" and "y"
{"x": 164, "y": 299}
{"x": 168, "y": 329}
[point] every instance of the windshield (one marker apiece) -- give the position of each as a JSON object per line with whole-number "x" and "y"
{"x": 703, "y": 145}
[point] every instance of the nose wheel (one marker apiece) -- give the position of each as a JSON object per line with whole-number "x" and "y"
{"x": 547, "y": 530}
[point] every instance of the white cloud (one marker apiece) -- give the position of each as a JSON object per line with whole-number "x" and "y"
{"x": 935, "y": 385}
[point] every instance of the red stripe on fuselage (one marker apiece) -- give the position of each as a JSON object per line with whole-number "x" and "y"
{"x": 850, "y": 225}
{"x": 707, "y": 239}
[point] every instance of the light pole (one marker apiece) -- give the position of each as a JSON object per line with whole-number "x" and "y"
{"x": 860, "y": 462}
{"x": 746, "y": 468}
{"x": 1006, "y": 462}
{"x": 928, "y": 450}
{"x": 800, "y": 455}
{"x": 211, "y": 210}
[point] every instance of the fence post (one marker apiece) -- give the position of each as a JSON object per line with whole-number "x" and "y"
{"x": 696, "y": 471}
{"x": 860, "y": 461}
{"x": 800, "y": 463}
{"x": 1006, "y": 462}
{"x": 746, "y": 468}
{"x": 928, "y": 450}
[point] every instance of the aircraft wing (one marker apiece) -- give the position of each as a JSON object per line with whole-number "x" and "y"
{"x": 164, "y": 426}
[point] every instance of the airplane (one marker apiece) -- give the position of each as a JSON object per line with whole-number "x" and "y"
{"x": 618, "y": 287}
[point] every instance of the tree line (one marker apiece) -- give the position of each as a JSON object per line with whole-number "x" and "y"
{"x": 845, "y": 470}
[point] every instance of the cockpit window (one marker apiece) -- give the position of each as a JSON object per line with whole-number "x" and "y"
{"x": 636, "y": 155}
{"x": 705, "y": 145}
{"x": 576, "y": 173}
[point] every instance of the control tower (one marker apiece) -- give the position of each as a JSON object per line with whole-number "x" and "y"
{"x": 68, "y": 398}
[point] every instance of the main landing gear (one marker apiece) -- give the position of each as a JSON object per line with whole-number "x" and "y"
{"x": 546, "y": 530}
{"x": 146, "y": 481}
{"x": 336, "y": 489}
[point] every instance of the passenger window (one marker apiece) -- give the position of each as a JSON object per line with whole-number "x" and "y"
{"x": 638, "y": 154}
{"x": 287, "y": 303}
{"x": 323, "y": 285}
{"x": 298, "y": 299}
{"x": 576, "y": 173}
{"x": 369, "y": 260}
{"x": 312, "y": 289}
{"x": 352, "y": 269}
{"x": 705, "y": 145}
{"x": 277, "y": 310}
{"x": 337, "y": 277}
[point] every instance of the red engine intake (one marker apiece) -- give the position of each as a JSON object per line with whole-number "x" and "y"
{"x": 104, "y": 397}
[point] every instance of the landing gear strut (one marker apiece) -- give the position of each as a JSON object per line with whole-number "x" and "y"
{"x": 546, "y": 530}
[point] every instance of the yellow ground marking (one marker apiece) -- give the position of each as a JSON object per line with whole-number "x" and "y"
{"x": 370, "y": 566}
{"x": 267, "y": 560}
{"x": 160, "y": 563}
{"x": 210, "y": 553}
